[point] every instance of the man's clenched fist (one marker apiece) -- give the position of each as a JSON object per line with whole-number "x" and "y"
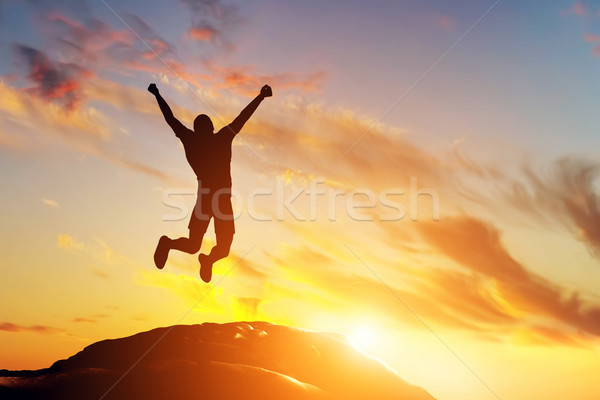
{"x": 266, "y": 91}
{"x": 153, "y": 89}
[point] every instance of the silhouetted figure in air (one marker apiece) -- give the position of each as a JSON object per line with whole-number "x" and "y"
{"x": 209, "y": 155}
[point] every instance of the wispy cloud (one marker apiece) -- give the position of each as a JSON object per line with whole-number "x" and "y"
{"x": 244, "y": 80}
{"x": 50, "y": 202}
{"x": 563, "y": 195}
{"x": 84, "y": 128}
{"x": 202, "y": 32}
{"x": 51, "y": 81}
{"x": 68, "y": 76}
{"x": 99, "y": 251}
{"x": 213, "y": 21}
{"x": 483, "y": 291}
{"x": 102, "y": 273}
{"x": 246, "y": 308}
{"x": 96, "y": 44}
{"x": 578, "y": 8}
{"x": 42, "y": 329}
{"x": 516, "y": 291}
{"x": 68, "y": 242}
{"x": 189, "y": 288}
{"x": 83, "y": 319}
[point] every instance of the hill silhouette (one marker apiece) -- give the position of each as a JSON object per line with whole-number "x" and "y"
{"x": 240, "y": 360}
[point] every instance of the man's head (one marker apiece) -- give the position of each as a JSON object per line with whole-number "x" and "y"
{"x": 203, "y": 124}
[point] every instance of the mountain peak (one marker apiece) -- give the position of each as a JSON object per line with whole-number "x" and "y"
{"x": 249, "y": 360}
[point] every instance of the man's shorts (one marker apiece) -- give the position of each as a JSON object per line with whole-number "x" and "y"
{"x": 215, "y": 204}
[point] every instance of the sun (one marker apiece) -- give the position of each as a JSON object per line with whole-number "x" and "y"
{"x": 364, "y": 337}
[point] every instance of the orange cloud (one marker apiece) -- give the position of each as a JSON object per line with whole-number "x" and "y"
{"x": 313, "y": 139}
{"x": 52, "y": 81}
{"x": 244, "y": 81}
{"x": 92, "y": 38}
{"x": 205, "y": 33}
{"x": 213, "y": 21}
{"x": 83, "y": 319}
{"x": 348, "y": 284}
{"x": 43, "y": 329}
{"x": 96, "y": 43}
{"x": 484, "y": 291}
{"x": 477, "y": 247}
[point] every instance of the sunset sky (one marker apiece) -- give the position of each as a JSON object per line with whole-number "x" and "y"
{"x": 491, "y": 106}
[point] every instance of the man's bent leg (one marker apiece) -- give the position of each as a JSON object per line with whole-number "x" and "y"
{"x": 224, "y": 230}
{"x": 189, "y": 245}
{"x": 197, "y": 226}
{"x": 221, "y": 250}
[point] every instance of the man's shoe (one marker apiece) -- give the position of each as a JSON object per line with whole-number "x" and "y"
{"x": 205, "y": 267}
{"x": 162, "y": 252}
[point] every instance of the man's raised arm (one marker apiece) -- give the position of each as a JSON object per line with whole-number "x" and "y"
{"x": 166, "y": 110}
{"x": 238, "y": 123}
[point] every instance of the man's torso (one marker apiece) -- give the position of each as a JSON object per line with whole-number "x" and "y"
{"x": 209, "y": 156}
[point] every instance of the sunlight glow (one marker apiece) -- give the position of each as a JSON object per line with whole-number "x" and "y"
{"x": 364, "y": 337}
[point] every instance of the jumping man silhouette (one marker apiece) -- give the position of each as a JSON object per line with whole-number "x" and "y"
{"x": 209, "y": 155}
